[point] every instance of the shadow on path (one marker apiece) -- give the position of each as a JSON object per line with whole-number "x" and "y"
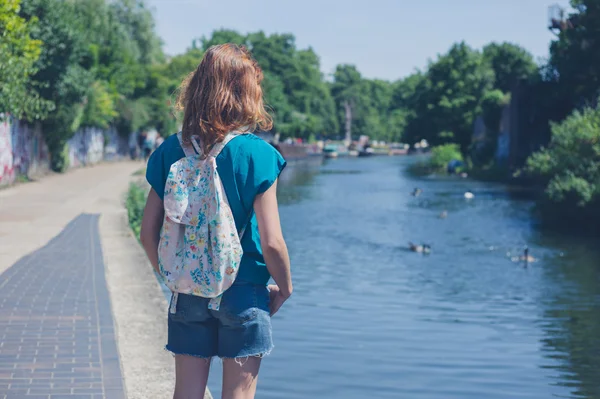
{"x": 57, "y": 335}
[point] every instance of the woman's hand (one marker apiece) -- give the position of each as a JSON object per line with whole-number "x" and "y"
{"x": 273, "y": 247}
{"x": 151, "y": 225}
{"x": 276, "y": 298}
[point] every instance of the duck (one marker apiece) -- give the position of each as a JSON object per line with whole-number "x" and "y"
{"x": 444, "y": 214}
{"x": 469, "y": 195}
{"x": 523, "y": 258}
{"x": 423, "y": 249}
{"x": 417, "y": 191}
{"x": 526, "y": 257}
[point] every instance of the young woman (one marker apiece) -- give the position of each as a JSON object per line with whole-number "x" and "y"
{"x": 224, "y": 95}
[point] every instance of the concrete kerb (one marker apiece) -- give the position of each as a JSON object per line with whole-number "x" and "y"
{"x": 139, "y": 308}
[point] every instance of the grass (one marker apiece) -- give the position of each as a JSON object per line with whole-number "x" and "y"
{"x": 134, "y": 203}
{"x": 140, "y": 172}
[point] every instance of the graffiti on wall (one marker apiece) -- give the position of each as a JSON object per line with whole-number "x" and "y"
{"x": 91, "y": 145}
{"x": 23, "y": 151}
{"x": 503, "y": 144}
{"x": 7, "y": 172}
{"x": 86, "y": 147}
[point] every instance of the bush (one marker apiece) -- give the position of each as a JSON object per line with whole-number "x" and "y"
{"x": 441, "y": 155}
{"x": 135, "y": 202}
{"x": 437, "y": 161}
{"x": 569, "y": 170}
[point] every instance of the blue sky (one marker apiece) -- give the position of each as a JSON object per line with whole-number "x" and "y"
{"x": 386, "y": 39}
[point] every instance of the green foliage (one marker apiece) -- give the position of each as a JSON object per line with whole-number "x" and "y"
{"x": 510, "y": 63}
{"x": 575, "y": 57}
{"x": 135, "y": 203}
{"x": 19, "y": 53}
{"x": 447, "y": 97}
{"x": 437, "y": 161}
{"x": 441, "y": 155}
{"x": 101, "y": 64}
{"x": 569, "y": 168}
{"x": 370, "y": 105}
{"x": 64, "y": 74}
{"x": 492, "y": 104}
{"x": 100, "y": 108}
{"x": 221, "y": 36}
{"x": 98, "y": 66}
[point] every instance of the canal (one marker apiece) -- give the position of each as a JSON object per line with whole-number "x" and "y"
{"x": 371, "y": 319}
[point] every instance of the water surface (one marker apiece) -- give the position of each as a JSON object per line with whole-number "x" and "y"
{"x": 371, "y": 319}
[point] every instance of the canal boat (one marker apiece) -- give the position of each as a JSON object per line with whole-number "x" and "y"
{"x": 398, "y": 149}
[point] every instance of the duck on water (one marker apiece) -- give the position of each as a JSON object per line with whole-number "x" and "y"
{"x": 525, "y": 257}
{"x": 423, "y": 248}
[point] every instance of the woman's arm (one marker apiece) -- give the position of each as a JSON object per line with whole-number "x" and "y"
{"x": 151, "y": 224}
{"x": 273, "y": 246}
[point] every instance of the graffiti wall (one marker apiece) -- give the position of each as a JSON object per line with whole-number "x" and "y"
{"x": 504, "y": 136}
{"x": 23, "y": 151}
{"x": 86, "y": 147}
{"x": 6, "y": 157}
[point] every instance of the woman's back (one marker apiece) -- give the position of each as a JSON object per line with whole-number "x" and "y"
{"x": 247, "y": 167}
{"x": 223, "y": 95}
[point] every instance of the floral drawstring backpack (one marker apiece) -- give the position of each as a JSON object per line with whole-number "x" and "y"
{"x": 199, "y": 252}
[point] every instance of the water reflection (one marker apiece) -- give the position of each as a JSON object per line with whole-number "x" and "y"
{"x": 572, "y": 314}
{"x": 296, "y": 178}
{"x": 371, "y": 319}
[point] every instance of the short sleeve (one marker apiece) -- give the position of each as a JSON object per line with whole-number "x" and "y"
{"x": 155, "y": 171}
{"x": 258, "y": 165}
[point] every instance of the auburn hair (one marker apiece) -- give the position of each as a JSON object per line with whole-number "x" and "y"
{"x": 223, "y": 94}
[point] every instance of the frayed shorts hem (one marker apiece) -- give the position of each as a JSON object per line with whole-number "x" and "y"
{"x": 258, "y": 354}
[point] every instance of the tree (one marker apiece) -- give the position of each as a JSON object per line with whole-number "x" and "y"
{"x": 575, "y": 57}
{"x": 135, "y": 17}
{"x": 294, "y": 86}
{"x": 510, "y": 63}
{"x": 221, "y": 37}
{"x": 64, "y": 73}
{"x": 569, "y": 169}
{"x": 447, "y": 99}
{"x": 349, "y": 91}
{"x": 19, "y": 52}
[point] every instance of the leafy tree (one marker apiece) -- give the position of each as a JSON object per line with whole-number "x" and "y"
{"x": 19, "y": 52}
{"x": 448, "y": 98}
{"x": 349, "y": 91}
{"x": 100, "y": 108}
{"x": 575, "y": 57}
{"x": 221, "y": 36}
{"x": 135, "y": 17}
{"x": 511, "y": 64}
{"x": 443, "y": 154}
{"x": 64, "y": 73}
{"x": 569, "y": 168}
{"x": 404, "y": 103}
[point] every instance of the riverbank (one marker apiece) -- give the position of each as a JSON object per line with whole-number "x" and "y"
{"x": 463, "y": 322}
{"x": 33, "y": 214}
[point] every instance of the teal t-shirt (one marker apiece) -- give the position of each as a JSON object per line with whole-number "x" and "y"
{"x": 247, "y": 166}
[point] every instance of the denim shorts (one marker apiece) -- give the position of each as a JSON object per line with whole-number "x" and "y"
{"x": 240, "y": 328}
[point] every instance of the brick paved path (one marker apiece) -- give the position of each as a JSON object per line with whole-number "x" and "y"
{"x": 57, "y": 336}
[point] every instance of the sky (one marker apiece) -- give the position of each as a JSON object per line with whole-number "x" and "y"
{"x": 385, "y": 39}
